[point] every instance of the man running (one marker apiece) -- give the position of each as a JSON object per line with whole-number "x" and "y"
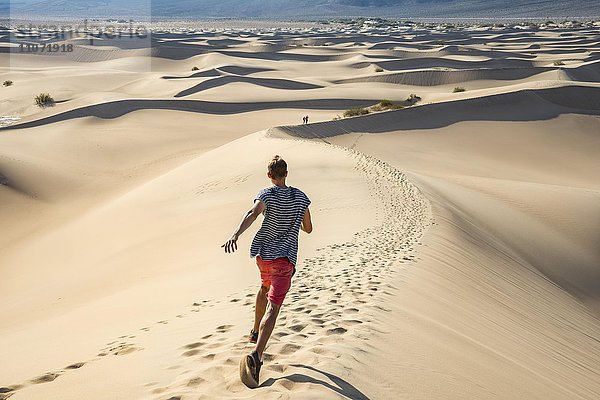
{"x": 275, "y": 247}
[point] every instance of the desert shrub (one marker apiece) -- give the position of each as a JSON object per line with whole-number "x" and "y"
{"x": 386, "y": 105}
{"x": 7, "y": 83}
{"x": 195, "y": 69}
{"x": 44, "y": 100}
{"x": 354, "y": 112}
{"x": 459, "y": 89}
{"x": 558, "y": 63}
{"x": 378, "y": 69}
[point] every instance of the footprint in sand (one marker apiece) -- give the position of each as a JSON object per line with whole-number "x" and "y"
{"x": 193, "y": 345}
{"x": 49, "y": 377}
{"x": 297, "y": 327}
{"x": 280, "y": 334}
{"x": 230, "y": 361}
{"x": 119, "y": 350}
{"x": 191, "y": 353}
{"x": 224, "y": 328}
{"x": 126, "y": 349}
{"x": 289, "y": 348}
{"x": 336, "y": 331}
{"x": 75, "y": 365}
{"x": 6, "y": 392}
{"x": 195, "y": 382}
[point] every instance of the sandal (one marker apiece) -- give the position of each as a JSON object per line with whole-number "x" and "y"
{"x": 253, "y": 336}
{"x": 255, "y": 365}
{"x": 250, "y": 370}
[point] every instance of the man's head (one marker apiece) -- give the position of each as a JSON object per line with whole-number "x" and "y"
{"x": 277, "y": 168}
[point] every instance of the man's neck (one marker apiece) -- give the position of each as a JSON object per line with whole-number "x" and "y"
{"x": 279, "y": 183}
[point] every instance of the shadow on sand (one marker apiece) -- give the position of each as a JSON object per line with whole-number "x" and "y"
{"x": 116, "y": 109}
{"x": 524, "y": 105}
{"x": 272, "y": 83}
{"x": 336, "y": 384}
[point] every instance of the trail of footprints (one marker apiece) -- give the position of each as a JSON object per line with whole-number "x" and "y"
{"x": 334, "y": 294}
{"x": 121, "y": 346}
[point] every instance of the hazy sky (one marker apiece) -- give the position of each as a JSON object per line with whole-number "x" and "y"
{"x": 307, "y": 8}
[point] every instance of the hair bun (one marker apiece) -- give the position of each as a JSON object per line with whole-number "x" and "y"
{"x": 277, "y": 167}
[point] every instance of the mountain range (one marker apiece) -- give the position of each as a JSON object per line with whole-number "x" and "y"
{"x": 314, "y": 9}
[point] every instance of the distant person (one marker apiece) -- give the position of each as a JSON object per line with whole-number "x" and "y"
{"x": 303, "y": 120}
{"x": 306, "y": 119}
{"x": 275, "y": 247}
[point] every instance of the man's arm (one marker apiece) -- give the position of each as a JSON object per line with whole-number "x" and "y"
{"x": 250, "y": 216}
{"x": 306, "y": 225}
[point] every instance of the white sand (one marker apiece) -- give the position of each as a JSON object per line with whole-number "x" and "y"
{"x": 455, "y": 251}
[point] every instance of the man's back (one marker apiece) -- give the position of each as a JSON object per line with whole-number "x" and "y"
{"x": 278, "y": 235}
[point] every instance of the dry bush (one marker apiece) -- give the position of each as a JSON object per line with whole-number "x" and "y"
{"x": 355, "y": 112}
{"x": 44, "y": 100}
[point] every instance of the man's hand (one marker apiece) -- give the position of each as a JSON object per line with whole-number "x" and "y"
{"x": 306, "y": 224}
{"x": 230, "y": 245}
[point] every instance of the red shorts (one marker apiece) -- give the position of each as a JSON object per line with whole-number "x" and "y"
{"x": 277, "y": 276}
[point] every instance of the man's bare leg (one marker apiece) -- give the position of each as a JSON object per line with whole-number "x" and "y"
{"x": 266, "y": 327}
{"x": 260, "y": 307}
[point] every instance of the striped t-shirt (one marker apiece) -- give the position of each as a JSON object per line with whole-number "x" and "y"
{"x": 278, "y": 235}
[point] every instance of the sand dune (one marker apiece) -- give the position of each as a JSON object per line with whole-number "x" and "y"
{"x": 209, "y": 73}
{"x": 542, "y": 104}
{"x": 585, "y": 73}
{"x": 582, "y": 276}
{"x": 119, "y": 108}
{"x": 455, "y": 251}
{"x": 228, "y": 69}
{"x": 445, "y": 50}
{"x": 491, "y": 207}
{"x": 437, "y": 77}
{"x": 432, "y": 62}
{"x": 285, "y": 84}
